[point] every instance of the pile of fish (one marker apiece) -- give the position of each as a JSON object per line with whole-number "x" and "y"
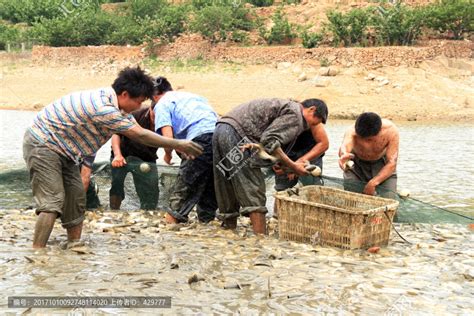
{"x": 206, "y": 269}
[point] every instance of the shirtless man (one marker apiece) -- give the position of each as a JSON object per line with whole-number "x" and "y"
{"x": 373, "y": 146}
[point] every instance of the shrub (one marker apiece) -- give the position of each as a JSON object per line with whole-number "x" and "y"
{"x": 170, "y": 22}
{"x": 217, "y": 22}
{"x": 125, "y": 31}
{"x": 239, "y": 37}
{"x": 89, "y": 27}
{"x": 213, "y": 22}
{"x": 143, "y": 8}
{"x": 30, "y": 11}
{"x": 311, "y": 39}
{"x": 200, "y": 4}
{"x": 350, "y": 28}
{"x": 261, "y": 3}
{"x": 281, "y": 31}
{"x": 8, "y": 34}
{"x": 398, "y": 24}
{"x": 455, "y": 16}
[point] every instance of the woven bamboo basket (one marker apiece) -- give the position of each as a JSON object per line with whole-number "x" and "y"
{"x": 332, "y": 217}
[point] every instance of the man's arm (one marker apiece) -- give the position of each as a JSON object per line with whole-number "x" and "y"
{"x": 389, "y": 169}
{"x": 345, "y": 151}
{"x": 146, "y": 137}
{"x": 297, "y": 167}
{"x": 119, "y": 160}
{"x": 322, "y": 144}
{"x": 167, "y": 131}
{"x": 86, "y": 173}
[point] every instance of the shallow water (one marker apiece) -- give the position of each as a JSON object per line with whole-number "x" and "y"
{"x": 135, "y": 254}
{"x": 435, "y": 162}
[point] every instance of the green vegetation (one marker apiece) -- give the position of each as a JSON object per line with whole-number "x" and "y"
{"x": 282, "y": 31}
{"x": 311, "y": 39}
{"x": 76, "y": 23}
{"x": 350, "y": 28}
{"x": 398, "y": 24}
{"x": 261, "y": 3}
{"x": 220, "y": 23}
{"x": 454, "y": 16}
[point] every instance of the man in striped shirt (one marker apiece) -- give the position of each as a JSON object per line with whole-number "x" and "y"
{"x": 74, "y": 127}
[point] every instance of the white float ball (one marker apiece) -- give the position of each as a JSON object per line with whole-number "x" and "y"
{"x": 144, "y": 167}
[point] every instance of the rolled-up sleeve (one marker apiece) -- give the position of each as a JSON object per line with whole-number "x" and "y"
{"x": 163, "y": 115}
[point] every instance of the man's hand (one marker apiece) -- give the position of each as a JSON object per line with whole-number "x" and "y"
{"x": 278, "y": 170}
{"x": 300, "y": 170}
{"x": 189, "y": 149}
{"x": 345, "y": 158}
{"x": 118, "y": 162}
{"x": 168, "y": 156}
{"x": 86, "y": 173}
{"x": 370, "y": 188}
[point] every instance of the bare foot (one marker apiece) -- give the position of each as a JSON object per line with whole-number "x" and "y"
{"x": 170, "y": 219}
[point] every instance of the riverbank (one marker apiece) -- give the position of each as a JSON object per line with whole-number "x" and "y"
{"x": 436, "y": 88}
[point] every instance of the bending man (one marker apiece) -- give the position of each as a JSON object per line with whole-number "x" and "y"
{"x": 74, "y": 127}
{"x": 184, "y": 115}
{"x": 310, "y": 146}
{"x": 239, "y": 182}
{"x": 372, "y": 144}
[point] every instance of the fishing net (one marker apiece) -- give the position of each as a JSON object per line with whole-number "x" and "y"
{"x": 15, "y": 193}
{"x": 410, "y": 209}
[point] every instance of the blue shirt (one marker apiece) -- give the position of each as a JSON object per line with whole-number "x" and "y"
{"x": 188, "y": 114}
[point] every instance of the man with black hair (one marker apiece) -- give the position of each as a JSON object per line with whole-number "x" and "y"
{"x": 372, "y": 144}
{"x": 310, "y": 146}
{"x": 238, "y": 179}
{"x": 184, "y": 115}
{"x": 73, "y": 128}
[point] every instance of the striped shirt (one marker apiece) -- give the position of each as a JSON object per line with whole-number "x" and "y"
{"x": 78, "y": 124}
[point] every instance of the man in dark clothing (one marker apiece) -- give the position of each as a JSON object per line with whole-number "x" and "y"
{"x": 92, "y": 199}
{"x": 129, "y": 156}
{"x": 238, "y": 180}
{"x": 310, "y": 146}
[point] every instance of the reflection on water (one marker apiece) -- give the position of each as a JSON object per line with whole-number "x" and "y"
{"x": 135, "y": 253}
{"x": 435, "y": 162}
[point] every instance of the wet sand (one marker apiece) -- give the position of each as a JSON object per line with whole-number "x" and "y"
{"x": 136, "y": 254}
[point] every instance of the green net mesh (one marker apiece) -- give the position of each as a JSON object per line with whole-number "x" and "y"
{"x": 15, "y": 193}
{"x": 410, "y": 210}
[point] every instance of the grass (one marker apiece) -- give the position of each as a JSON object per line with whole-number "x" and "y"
{"x": 199, "y": 64}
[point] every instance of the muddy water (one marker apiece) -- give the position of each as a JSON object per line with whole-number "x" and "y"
{"x": 435, "y": 162}
{"x": 135, "y": 254}
{"x": 238, "y": 272}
